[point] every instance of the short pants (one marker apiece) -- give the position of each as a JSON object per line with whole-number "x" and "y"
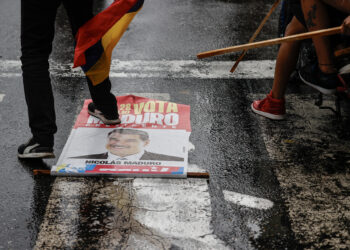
{"x": 335, "y": 16}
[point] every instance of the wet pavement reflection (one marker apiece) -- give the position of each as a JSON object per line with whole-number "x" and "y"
{"x": 300, "y": 165}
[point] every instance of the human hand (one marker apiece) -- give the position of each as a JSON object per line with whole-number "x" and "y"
{"x": 345, "y": 28}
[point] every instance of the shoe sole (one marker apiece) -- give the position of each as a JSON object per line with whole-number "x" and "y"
{"x": 104, "y": 120}
{"x": 268, "y": 115}
{"x": 36, "y": 155}
{"x": 322, "y": 90}
{"x": 345, "y": 70}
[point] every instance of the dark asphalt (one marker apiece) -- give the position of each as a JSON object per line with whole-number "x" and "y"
{"x": 227, "y": 136}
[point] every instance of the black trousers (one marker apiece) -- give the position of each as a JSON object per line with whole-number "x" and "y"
{"x": 37, "y": 33}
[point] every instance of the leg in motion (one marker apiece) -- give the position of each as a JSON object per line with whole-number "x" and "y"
{"x": 104, "y": 105}
{"x": 37, "y": 32}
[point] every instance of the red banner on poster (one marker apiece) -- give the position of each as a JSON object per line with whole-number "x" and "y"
{"x": 151, "y": 141}
{"x": 140, "y": 112}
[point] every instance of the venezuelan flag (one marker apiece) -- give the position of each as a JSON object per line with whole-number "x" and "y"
{"x": 96, "y": 39}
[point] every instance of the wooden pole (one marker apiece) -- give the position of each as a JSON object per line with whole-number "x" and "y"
{"x": 41, "y": 172}
{"x": 342, "y": 52}
{"x": 256, "y": 33}
{"x": 302, "y": 36}
{"x": 197, "y": 175}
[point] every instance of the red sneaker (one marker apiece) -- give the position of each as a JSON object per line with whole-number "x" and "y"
{"x": 269, "y": 107}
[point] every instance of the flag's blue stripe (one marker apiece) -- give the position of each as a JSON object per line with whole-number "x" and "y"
{"x": 92, "y": 55}
{"x": 136, "y": 6}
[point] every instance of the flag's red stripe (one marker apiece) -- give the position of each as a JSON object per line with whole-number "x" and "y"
{"x": 93, "y": 30}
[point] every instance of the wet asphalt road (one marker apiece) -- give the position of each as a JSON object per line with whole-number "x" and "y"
{"x": 242, "y": 152}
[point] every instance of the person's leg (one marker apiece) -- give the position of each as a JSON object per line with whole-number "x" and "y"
{"x": 103, "y": 99}
{"x": 323, "y": 76}
{"x": 316, "y": 18}
{"x": 286, "y": 60}
{"x": 37, "y": 32}
{"x": 79, "y": 12}
{"x": 273, "y": 106}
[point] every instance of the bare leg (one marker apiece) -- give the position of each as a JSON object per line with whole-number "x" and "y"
{"x": 286, "y": 60}
{"x": 316, "y": 18}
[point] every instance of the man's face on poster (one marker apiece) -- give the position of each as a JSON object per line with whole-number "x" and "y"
{"x": 125, "y": 144}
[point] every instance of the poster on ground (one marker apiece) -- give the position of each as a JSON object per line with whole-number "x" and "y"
{"x": 151, "y": 141}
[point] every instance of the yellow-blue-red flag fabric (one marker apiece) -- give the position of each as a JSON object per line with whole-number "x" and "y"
{"x": 96, "y": 39}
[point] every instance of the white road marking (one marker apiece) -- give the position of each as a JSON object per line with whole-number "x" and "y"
{"x": 160, "y": 69}
{"x": 247, "y": 200}
{"x": 149, "y": 213}
{"x": 62, "y": 210}
{"x": 2, "y": 97}
{"x": 345, "y": 69}
{"x": 180, "y": 210}
{"x": 191, "y": 146}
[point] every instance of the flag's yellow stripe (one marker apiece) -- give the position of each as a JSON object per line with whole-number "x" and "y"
{"x": 100, "y": 71}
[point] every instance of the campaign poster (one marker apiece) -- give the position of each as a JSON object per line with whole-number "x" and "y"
{"x": 151, "y": 141}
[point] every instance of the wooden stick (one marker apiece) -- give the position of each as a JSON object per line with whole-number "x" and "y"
{"x": 41, "y": 172}
{"x": 197, "y": 175}
{"x": 342, "y": 52}
{"x": 256, "y": 33}
{"x": 189, "y": 174}
{"x": 302, "y": 36}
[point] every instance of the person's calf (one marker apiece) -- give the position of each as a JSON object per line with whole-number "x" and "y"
{"x": 286, "y": 60}
{"x": 317, "y": 17}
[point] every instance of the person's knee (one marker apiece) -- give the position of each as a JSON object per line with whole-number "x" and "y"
{"x": 35, "y": 65}
{"x": 294, "y": 27}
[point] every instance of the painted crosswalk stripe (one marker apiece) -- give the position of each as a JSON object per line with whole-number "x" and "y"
{"x": 247, "y": 200}
{"x": 2, "y": 97}
{"x": 254, "y": 69}
{"x": 142, "y": 213}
